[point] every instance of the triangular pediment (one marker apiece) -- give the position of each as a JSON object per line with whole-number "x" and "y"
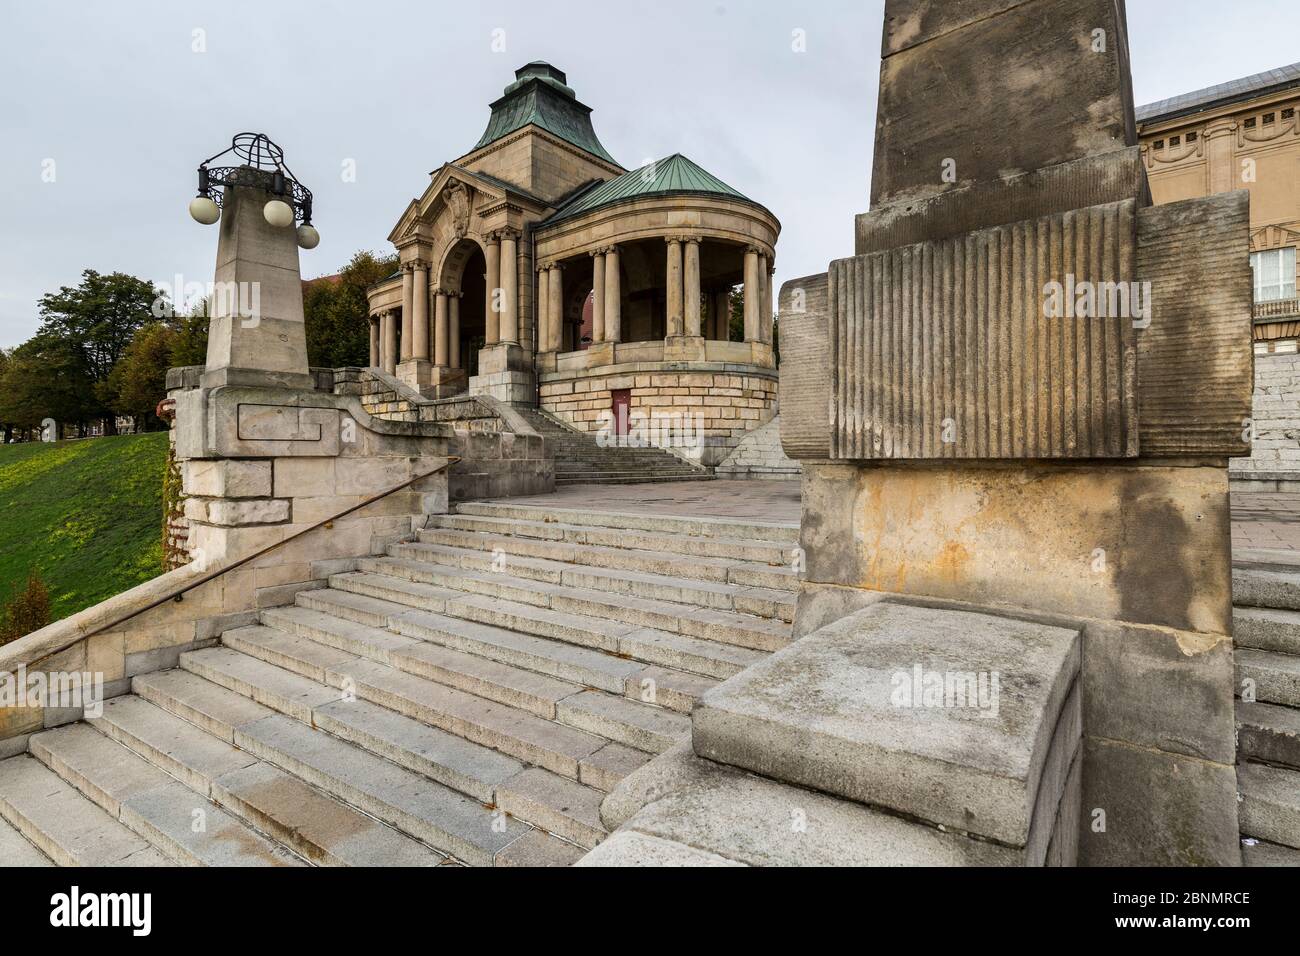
{"x": 1273, "y": 237}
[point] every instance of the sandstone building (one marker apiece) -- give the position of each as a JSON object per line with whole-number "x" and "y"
{"x": 1245, "y": 134}
{"x": 537, "y": 270}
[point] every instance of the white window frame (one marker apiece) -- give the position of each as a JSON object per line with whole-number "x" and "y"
{"x": 1284, "y": 286}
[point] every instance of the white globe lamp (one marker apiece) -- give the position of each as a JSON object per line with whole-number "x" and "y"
{"x": 204, "y": 209}
{"x": 308, "y": 237}
{"x": 278, "y": 213}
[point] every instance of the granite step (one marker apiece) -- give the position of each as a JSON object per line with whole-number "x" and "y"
{"x": 525, "y": 689}
{"x": 624, "y": 721}
{"x": 726, "y": 528}
{"x": 671, "y": 542}
{"x": 15, "y": 850}
{"x": 1266, "y": 588}
{"x": 63, "y": 823}
{"x": 1266, "y": 629}
{"x": 721, "y": 570}
{"x": 676, "y": 690}
{"x": 312, "y": 823}
{"x": 557, "y": 804}
{"x": 511, "y": 731}
{"x": 1276, "y": 676}
{"x": 179, "y": 822}
{"x": 1268, "y": 733}
{"x": 752, "y": 617}
{"x": 445, "y": 758}
{"x": 1269, "y": 805}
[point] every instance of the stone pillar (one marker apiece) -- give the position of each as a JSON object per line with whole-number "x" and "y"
{"x": 544, "y": 308}
{"x": 691, "y": 287}
{"x": 420, "y": 316}
{"x": 598, "y": 296}
{"x": 256, "y": 338}
{"x": 509, "y": 325}
{"x": 408, "y": 310}
{"x": 722, "y": 315}
{"x": 492, "y": 317}
{"x": 674, "y": 287}
{"x": 765, "y": 320}
{"x": 752, "y": 294}
{"x": 613, "y": 297}
{"x": 389, "y": 336}
{"x": 555, "y": 309}
{"x": 373, "y": 322}
{"x": 441, "y": 338}
{"x": 454, "y": 329}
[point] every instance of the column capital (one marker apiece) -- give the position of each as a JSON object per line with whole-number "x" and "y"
{"x": 695, "y": 239}
{"x": 508, "y": 232}
{"x": 414, "y": 265}
{"x": 755, "y": 250}
{"x": 674, "y": 240}
{"x": 493, "y": 237}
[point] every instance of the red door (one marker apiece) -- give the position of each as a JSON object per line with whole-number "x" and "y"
{"x": 622, "y": 404}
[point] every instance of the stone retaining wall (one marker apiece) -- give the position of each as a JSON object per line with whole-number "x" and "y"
{"x": 1274, "y": 463}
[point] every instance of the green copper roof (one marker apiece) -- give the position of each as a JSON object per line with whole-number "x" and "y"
{"x": 539, "y": 95}
{"x": 675, "y": 175}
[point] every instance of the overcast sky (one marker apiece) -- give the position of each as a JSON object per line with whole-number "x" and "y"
{"x": 115, "y": 95}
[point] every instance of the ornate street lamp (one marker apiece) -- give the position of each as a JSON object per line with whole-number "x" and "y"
{"x": 262, "y": 168}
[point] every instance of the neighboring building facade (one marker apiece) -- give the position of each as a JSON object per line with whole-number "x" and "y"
{"x": 536, "y": 270}
{"x": 1246, "y": 135}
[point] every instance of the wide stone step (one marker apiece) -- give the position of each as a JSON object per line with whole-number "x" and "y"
{"x": 637, "y": 521}
{"x": 561, "y": 806}
{"x": 1269, "y": 803}
{"x": 1268, "y": 733}
{"x": 596, "y": 478}
{"x": 1261, "y": 587}
{"x": 445, "y": 758}
{"x": 439, "y": 582}
{"x": 506, "y": 729}
{"x": 63, "y": 823}
{"x": 312, "y": 823}
{"x": 180, "y": 822}
{"x": 651, "y": 729}
{"x": 720, "y": 570}
{"x": 15, "y": 850}
{"x": 525, "y": 689}
{"x": 523, "y": 579}
{"x": 1258, "y": 853}
{"x": 437, "y": 815}
{"x": 1276, "y": 677}
{"x": 1266, "y": 629}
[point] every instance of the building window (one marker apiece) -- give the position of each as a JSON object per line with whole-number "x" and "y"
{"x": 1175, "y": 140}
{"x": 1269, "y": 117}
{"x": 1191, "y": 137}
{"x": 1288, "y": 113}
{"x": 1274, "y": 274}
{"x": 1159, "y": 144}
{"x": 1250, "y": 123}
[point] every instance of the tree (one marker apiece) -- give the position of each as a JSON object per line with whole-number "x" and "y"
{"x": 98, "y": 318}
{"x": 26, "y": 610}
{"x": 190, "y": 347}
{"x": 337, "y": 311}
{"x": 138, "y": 382}
{"x": 46, "y": 377}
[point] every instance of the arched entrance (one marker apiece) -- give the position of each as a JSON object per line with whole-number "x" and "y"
{"x": 464, "y": 271}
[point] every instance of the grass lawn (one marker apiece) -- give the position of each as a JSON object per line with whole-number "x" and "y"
{"x": 86, "y": 514}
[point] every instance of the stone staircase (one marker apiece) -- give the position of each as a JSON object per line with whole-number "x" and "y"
{"x": 580, "y": 459}
{"x": 1266, "y": 629}
{"x": 467, "y": 698}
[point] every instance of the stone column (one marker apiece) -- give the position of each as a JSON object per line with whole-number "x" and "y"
{"x": 598, "y": 296}
{"x": 691, "y": 287}
{"x": 722, "y": 315}
{"x": 490, "y": 315}
{"x": 765, "y": 320}
{"x": 673, "y": 325}
{"x": 408, "y": 310}
{"x": 389, "y": 337}
{"x": 613, "y": 297}
{"x": 543, "y": 308}
{"x": 555, "y": 309}
{"x": 753, "y": 293}
{"x": 373, "y": 322}
{"x": 508, "y": 327}
{"x": 454, "y": 329}
{"x": 440, "y": 334}
{"x": 420, "y": 317}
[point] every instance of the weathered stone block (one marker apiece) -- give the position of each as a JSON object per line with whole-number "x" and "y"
{"x": 250, "y": 511}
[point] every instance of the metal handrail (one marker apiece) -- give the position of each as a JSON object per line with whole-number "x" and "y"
{"x": 179, "y": 593}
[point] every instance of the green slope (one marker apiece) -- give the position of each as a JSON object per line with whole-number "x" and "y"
{"x": 86, "y": 514}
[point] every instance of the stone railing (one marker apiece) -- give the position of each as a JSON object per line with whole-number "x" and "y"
{"x": 1278, "y": 308}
